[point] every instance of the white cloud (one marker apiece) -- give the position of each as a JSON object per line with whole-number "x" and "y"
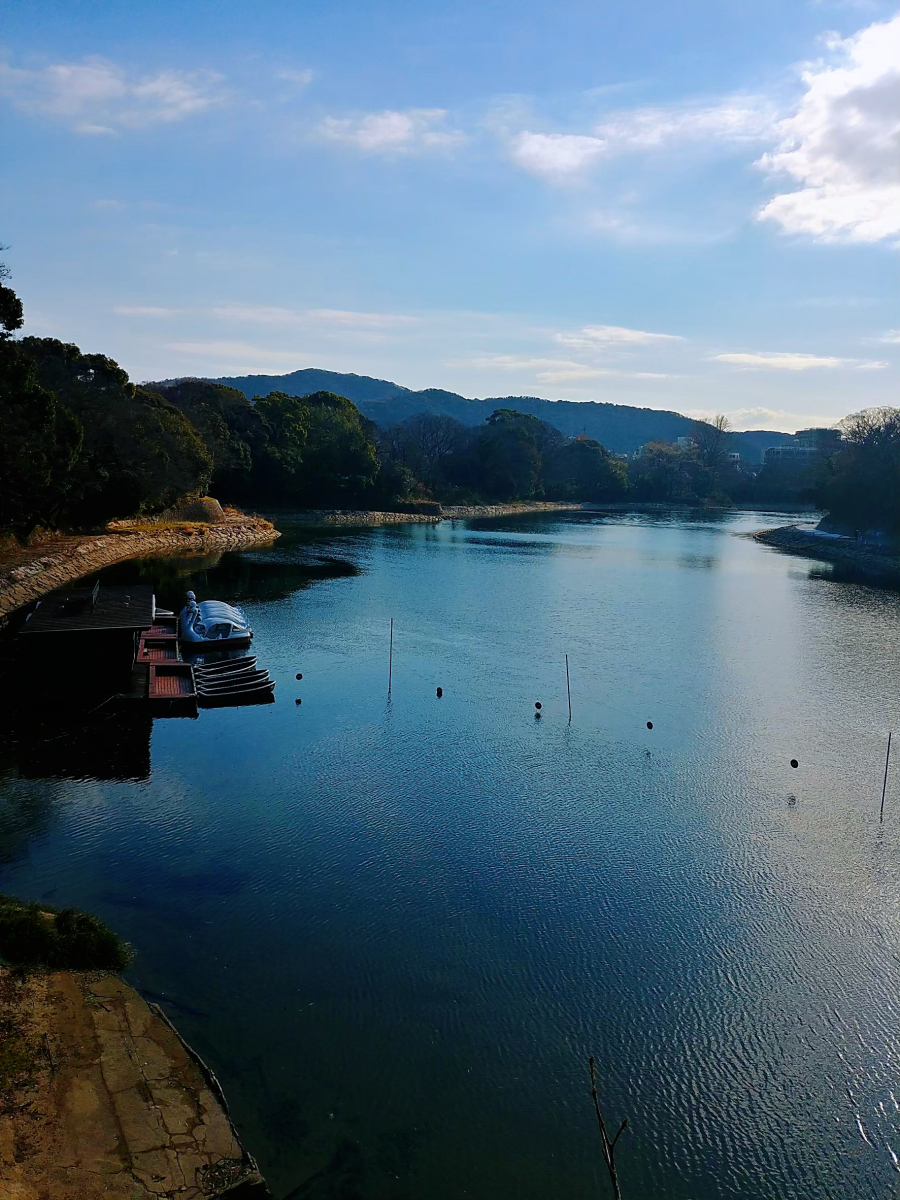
{"x": 737, "y": 119}
{"x": 298, "y": 79}
{"x": 560, "y": 156}
{"x": 342, "y": 320}
{"x": 891, "y": 338}
{"x": 785, "y": 361}
{"x": 393, "y": 132}
{"x": 519, "y": 362}
{"x": 843, "y": 143}
{"x": 550, "y": 370}
{"x": 555, "y": 154}
{"x": 96, "y": 96}
{"x": 601, "y": 337}
{"x": 144, "y": 310}
{"x": 348, "y": 319}
{"x": 215, "y": 351}
{"x": 777, "y": 419}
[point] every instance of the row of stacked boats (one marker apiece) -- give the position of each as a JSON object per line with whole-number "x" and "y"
{"x": 232, "y": 681}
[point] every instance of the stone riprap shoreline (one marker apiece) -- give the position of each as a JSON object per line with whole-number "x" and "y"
{"x": 448, "y": 512}
{"x": 30, "y": 573}
{"x": 879, "y": 567}
{"x": 108, "y": 1100}
{"x": 459, "y": 511}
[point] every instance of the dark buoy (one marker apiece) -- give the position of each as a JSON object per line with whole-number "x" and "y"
{"x": 537, "y": 706}
{"x": 298, "y": 701}
{"x": 298, "y": 676}
{"x": 794, "y": 763}
{"x": 649, "y": 724}
{"x": 440, "y": 693}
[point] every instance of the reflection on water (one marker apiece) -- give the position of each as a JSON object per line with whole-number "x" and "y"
{"x": 271, "y": 575}
{"x": 396, "y": 927}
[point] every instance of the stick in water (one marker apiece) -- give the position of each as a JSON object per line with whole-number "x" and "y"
{"x": 568, "y": 689}
{"x": 391, "y": 657}
{"x": 609, "y": 1147}
{"x": 887, "y": 763}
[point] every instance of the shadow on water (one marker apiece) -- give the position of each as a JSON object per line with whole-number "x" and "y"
{"x": 112, "y": 744}
{"x": 845, "y": 572}
{"x": 229, "y": 576}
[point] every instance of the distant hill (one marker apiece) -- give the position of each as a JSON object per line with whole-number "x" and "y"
{"x": 621, "y": 428}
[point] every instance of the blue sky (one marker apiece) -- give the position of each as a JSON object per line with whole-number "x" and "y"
{"x": 691, "y": 206}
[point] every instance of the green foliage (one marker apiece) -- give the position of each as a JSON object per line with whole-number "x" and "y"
{"x": 233, "y": 430}
{"x": 40, "y": 445}
{"x": 319, "y": 451}
{"x": 664, "y": 471}
{"x": 860, "y": 483}
{"x": 140, "y": 453}
{"x": 507, "y": 457}
{"x": 12, "y": 315}
{"x": 37, "y": 936}
{"x": 513, "y": 456}
{"x": 582, "y": 469}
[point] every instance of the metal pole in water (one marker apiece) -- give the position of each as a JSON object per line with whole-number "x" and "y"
{"x": 568, "y": 688}
{"x": 391, "y": 657}
{"x": 887, "y": 763}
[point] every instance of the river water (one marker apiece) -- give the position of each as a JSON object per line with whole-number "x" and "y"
{"x": 397, "y": 925}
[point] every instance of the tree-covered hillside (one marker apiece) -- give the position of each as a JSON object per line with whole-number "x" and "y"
{"x": 620, "y": 427}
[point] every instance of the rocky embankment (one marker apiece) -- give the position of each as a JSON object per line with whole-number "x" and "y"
{"x": 28, "y": 574}
{"x": 457, "y": 511}
{"x": 326, "y": 517}
{"x": 100, "y": 1097}
{"x": 879, "y": 567}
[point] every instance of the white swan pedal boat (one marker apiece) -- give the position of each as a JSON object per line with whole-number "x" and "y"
{"x": 213, "y": 625}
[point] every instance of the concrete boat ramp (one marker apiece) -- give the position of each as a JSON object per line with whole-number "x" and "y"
{"x": 107, "y": 1101}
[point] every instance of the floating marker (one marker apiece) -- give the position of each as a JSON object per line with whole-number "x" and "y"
{"x": 298, "y": 701}
{"x": 298, "y": 676}
{"x": 439, "y": 693}
{"x": 538, "y": 705}
{"x": 649, "y": 724}
{"x": 794, "y": 763}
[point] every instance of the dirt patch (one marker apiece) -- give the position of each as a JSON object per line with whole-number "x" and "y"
{"x": 100, "y": 1097}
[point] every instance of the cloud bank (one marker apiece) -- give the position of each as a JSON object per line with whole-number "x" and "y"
{"x": 96, "y": 96}
{"x": 843, "y": 144}
{"x": 393, "y": 132}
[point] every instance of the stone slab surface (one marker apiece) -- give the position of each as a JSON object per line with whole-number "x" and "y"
{"x": 110, "y": 1102}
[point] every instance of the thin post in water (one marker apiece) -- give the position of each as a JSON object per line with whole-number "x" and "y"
{"x": 887, "y": 763}
{"x": 391, "y": 657}
{"x": 568, "y": 688}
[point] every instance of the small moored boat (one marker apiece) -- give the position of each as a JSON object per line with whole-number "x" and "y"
{"x": 213, "y": 624}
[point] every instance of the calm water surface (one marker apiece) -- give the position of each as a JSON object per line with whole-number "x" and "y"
{"x": 396, "y": 926}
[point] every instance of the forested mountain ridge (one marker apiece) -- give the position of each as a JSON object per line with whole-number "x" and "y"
{"x": 620, "y": 427}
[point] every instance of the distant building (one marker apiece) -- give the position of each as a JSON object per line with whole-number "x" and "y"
{"x": 804, "y": 447}
{"x": 733, "y": 457}
{"x": 820, "y": 441}
{"x": 685, "y": 443}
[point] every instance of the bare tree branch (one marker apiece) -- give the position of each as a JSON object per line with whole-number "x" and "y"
{"x": 609, "y": 1147}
